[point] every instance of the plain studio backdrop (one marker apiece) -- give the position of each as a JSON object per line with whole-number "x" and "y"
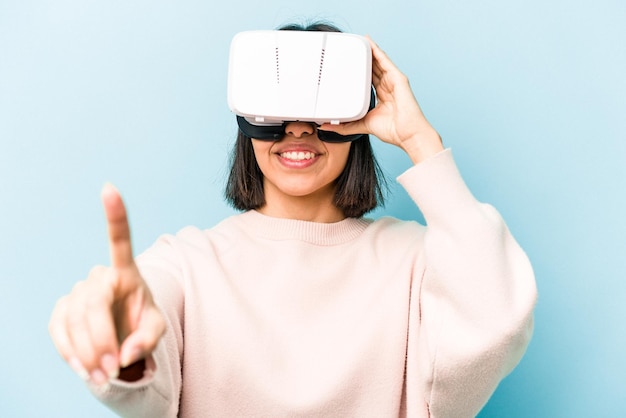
{"x": 530, "y": 95}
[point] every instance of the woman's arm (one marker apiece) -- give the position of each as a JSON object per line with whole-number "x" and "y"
{"x": 477, "y": 288}
{"x": 476, "y": 294}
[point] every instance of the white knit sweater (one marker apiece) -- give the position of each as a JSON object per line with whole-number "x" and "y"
{"x": 282, "y": 318}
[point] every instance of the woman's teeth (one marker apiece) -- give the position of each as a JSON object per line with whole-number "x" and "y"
{"x": 297, "y": 156}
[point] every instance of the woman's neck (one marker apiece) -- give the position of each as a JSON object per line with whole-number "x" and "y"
{"x": 313, "y": 208}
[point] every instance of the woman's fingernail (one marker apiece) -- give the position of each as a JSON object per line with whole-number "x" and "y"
{"x": 128, "y": 359}
{"x": 109, "y": 365}
{"x": 78, "y": 368}
{"x": 98, "y": 377}
{"x": 103, "y": 388}
{"x": 109, "y": 188}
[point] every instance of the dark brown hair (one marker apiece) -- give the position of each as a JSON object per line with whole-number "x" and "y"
{"x": 359, "y": 187}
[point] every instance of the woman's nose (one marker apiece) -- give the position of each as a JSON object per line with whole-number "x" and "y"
{"x": 299, "y": 129}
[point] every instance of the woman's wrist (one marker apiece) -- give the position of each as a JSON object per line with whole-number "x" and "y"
{"x": 422, "y": 146}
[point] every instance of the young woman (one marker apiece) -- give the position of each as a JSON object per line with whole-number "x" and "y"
{"x": 300, "y": 306}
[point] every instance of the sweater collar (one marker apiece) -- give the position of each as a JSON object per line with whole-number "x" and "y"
{"x": 279, "y": 229}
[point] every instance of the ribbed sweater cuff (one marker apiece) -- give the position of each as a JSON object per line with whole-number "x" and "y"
{"x": 437, "y": 187}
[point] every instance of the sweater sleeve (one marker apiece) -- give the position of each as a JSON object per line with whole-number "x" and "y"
{"x": 476, "y": 297}
{"x": 157, "y": 393}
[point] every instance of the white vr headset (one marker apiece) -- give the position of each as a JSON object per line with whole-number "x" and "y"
{"x": 278, "y": 76}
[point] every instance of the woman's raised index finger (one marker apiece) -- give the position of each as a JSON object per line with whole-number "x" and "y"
{"x": 118, "y": 228}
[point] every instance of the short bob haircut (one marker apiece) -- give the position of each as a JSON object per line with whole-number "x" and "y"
{"x": 358, "y": 189}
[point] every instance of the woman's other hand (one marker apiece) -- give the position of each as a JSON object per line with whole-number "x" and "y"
{"x": 397, "y": 118}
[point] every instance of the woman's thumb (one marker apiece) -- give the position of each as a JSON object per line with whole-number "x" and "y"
{"x": 142, "y": 341}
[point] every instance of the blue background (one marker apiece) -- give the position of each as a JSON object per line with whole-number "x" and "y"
{"x": 530, "y": 95}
